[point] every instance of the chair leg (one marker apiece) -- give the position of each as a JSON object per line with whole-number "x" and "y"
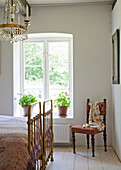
{"x": 93, "y": 143}
{"x": 73, "y": 139}
{"x": 87, "y": 141}
{"x": 105, "y": 140}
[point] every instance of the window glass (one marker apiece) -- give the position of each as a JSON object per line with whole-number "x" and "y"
{"x": 58, "y": 53}
{"x": 33, "y": 77}
{"x": 33, "y": 71}
{"x": 33, "y": 53}
{"x": 58, "y": 69}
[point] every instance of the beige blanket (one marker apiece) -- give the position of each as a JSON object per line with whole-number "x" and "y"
{"x": 94, "y": 117}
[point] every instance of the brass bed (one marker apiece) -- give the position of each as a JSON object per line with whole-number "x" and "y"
{"x": 37, "y": 134}
{"x": 40, "y": 134}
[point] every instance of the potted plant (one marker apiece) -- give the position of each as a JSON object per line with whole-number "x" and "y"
{"x": 62, "y": 102}
{"x": 25, "y": 101}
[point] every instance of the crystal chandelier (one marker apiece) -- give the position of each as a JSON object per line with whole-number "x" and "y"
{"x": 12, "y": 30}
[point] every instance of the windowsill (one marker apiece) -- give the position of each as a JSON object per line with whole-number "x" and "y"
{"x": 58, "y": 117}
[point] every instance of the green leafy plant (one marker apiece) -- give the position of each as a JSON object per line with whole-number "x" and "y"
{"x": 62, "y": 100}
{"x": 27, "y": 100}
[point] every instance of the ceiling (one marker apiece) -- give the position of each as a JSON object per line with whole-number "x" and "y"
{"x": 51, "y": 2}
{"x": 64, "y": 1}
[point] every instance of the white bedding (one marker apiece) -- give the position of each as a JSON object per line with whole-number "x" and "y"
{"x": 10, "y": 124}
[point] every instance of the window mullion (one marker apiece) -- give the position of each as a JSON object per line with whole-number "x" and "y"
{"x": 69, "y": 67}
{"x": 44, "y": 70}
{"x": 47, "y": 70}
{"x": 70, "y": 53}
{"x": 22, "y": 69}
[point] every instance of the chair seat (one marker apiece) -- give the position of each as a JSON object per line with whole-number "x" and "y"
{"x": 87, "y": 130}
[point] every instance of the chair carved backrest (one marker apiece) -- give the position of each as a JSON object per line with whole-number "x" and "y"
{"x": 102, "y": 107}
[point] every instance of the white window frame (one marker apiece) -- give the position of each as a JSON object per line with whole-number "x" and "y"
{"x": 46, "y": 38}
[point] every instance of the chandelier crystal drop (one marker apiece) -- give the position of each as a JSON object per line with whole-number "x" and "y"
{"x": 11, "y": 29}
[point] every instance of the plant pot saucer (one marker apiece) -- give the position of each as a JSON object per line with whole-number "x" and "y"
{"x": 62, "y": 115}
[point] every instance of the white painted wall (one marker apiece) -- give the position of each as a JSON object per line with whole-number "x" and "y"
{"x": 6, "y": 85}
{"x": 116, "y": 89}
{"x": 91, "y": 28}
{"x": 6, "y": 79}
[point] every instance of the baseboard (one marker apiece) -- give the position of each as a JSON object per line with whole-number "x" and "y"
{"x": 116, "y": 154}
{"x": 62, "y": 144}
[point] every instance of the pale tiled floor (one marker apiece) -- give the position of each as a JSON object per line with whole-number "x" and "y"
{"x": 64, "y": 159}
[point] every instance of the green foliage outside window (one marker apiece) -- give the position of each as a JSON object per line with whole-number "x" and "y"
{"x": 34, "y": 56}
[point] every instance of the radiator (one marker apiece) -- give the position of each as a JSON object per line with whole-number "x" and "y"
{"x": 61, "y": 133}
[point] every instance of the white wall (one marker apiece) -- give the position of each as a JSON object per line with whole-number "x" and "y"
{"x": 6, "y": 79}
{"x": 6, "y": 85}
{"x": 116, "y": 89}
{"x": 91, "y": 28}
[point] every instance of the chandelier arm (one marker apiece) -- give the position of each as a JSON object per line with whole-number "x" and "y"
{"x": 25, "y": 3}
{"x": 13, "y": 25}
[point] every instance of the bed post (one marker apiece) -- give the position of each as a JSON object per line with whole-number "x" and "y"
{"x": 44, "y": 153}
{"x": 29, "y": 130}
{"x": 40, "y": 128}
{"x": 52, "y": 131}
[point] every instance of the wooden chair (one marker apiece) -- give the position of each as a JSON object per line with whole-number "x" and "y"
{"x": 90, "y": 130}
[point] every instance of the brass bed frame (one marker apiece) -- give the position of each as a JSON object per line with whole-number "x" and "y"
{"x": 40, "y": 134}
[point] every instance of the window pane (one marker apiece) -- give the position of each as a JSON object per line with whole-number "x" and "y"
{"x": 58, "y": 70}
{"x": 59, "y": 77}
{"x": 58, "y": 53}
{"x": 33, "y": 53}
{"x": 33, "y": 77}
{"x": 58, "y": 65}
{"x": 37, "y": 93}
{"x": 53, "y": 94}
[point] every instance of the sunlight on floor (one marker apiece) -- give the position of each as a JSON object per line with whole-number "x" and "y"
{"x": 64, "y": 159}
